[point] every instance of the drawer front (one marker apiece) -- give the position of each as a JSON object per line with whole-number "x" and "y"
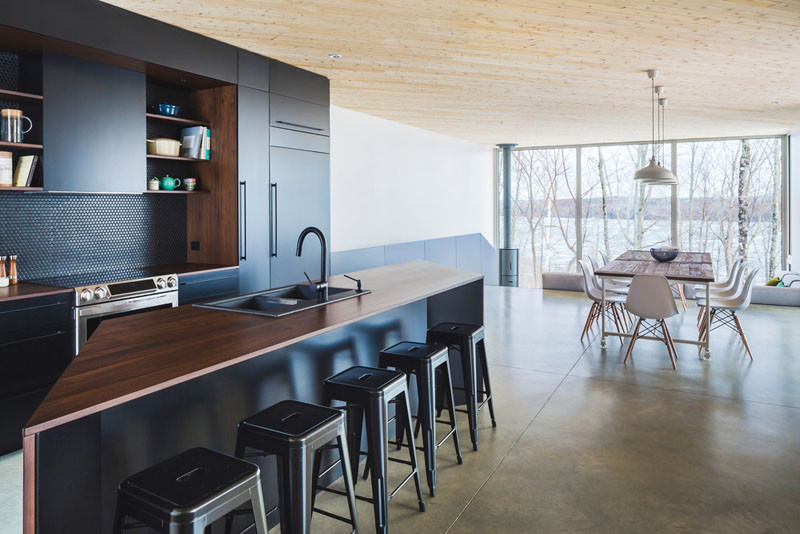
{"x": 200, "y": 288}
{"x": 34, "y": 363}
{"x": 280, "y": 137}
{"x": 293, "y": 114}
{"x": 31, "y": 318}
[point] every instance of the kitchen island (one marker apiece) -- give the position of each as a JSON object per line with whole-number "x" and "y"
{"x": 148, "y": 386}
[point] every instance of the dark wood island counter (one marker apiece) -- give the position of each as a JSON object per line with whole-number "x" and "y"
{"x": 147, "y": 386}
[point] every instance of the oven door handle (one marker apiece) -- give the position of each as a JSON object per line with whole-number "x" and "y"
{"x": 125, "y": 305}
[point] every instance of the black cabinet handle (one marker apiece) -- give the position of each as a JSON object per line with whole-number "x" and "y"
{"x": 274, "y": 222}
{"x": 243, "y": 220}
{"x": 300, "y": 125}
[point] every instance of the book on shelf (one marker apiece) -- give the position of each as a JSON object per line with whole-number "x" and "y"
{"x": 23, "y": 174}
{"x": 192, "y": 141}
{"x": 207, "y": 143}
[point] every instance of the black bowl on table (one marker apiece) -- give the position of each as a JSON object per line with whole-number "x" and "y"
{"x": 664, "y": 254}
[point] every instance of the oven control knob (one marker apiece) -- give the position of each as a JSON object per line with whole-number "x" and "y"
{"x": 172, "y": 282}
{"x": 161, "y": 283}
{"x": 100, "y": 293}
{"x": 86, "y": 295}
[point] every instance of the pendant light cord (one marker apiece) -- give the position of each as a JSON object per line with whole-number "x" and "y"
{"x": 653, "y": 116}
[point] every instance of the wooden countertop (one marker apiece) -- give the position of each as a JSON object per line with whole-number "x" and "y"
{"x": 25, "y": 290}
{"x": 134, "y": 356}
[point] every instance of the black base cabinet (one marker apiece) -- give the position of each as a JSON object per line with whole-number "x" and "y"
{"x": 35, "y": 347}
{"x": 209, "y": 285}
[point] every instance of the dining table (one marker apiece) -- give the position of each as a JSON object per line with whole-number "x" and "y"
{"x": 693, "y": 268}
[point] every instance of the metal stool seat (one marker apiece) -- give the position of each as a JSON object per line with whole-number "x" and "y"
{"x": 189, "y": 492}
{"x": 469, "y": 340}
{"x": 368, "y": 392}
{"x": 297, "y": 433}
{"x": 428, "y": 363}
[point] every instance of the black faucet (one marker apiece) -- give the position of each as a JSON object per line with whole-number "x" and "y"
{"x": 322, "y": 285}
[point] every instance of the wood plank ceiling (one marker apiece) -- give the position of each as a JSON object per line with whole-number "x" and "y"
{"x": 536, "y": 72}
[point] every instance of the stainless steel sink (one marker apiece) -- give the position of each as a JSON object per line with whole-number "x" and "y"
{"x": 281, "y": 301}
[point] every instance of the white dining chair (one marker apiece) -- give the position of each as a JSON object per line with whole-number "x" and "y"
{"x": 614, "y": 303}
{"x": 619, "y": 287}
{"x": 730, "y": 288}
{"x": 723, "y": 311}
{"x": 604, "y": 258}
{"x": 650, "y": 299}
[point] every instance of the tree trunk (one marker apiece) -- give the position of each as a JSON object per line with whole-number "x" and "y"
{"x": 744, "y": 175}
{"x": 601, "y": 172}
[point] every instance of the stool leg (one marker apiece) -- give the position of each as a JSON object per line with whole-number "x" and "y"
{"x": 318, "y": 467}
{"x": 259, "y": 513}
{"x": 294, "y": 479}
{"x": 426, "y": 415}
{"x": 355, "y": 419}
{"x": 486, "y": 383}
{"x": 470, "y": 389}
{"x": 239, "y": 453}
{"x": 405, "y": 409}
{"x": 378, "y": 454}
{"x": 451, "y": 409}
{"x": 348, "y": 480}
{"x": 119, "y": 520}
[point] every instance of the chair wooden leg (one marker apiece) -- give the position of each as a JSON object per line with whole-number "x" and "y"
{"x": 668, "y": 343}
{"x": 617, "y": 322}
{"x": 589, "y": 320}
{"x": 741, "y": 333}
{"x": 681, "y": 295}
{"x": 705, "y": 328}
{"x": 633, "y": 340}
{"x": 700, "y": 315}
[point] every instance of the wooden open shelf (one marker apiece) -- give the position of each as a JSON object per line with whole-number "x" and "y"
{"x": 178, "y": 158}
{"x": 17, "y": 96}
{"x": 175, "y": 120}
{"x": 6, "y": 144}
{"x": 178, "y": 192}
{"x": 5, "y": 188}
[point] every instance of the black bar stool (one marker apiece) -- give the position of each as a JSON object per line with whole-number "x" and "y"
{"x": 297, "y": 433}
{"x": 368, "y": 391}
{"x": 469, "y": 340}
{"x": 188, "y": 492}
{"x": 424, "y": 360}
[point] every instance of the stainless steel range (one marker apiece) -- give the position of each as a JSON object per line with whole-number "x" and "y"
{"x": 97, "y": 302}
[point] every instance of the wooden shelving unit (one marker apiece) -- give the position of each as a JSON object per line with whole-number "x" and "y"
{"x": 175, "y": 120}
{"x": 178, "y": 192}
{"x": 178, "y": 158}
{"x": 5, "y": 144}
{"x": 18, "y": 96}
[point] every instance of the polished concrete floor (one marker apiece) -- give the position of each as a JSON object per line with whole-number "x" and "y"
{"x": 587, "y": 444}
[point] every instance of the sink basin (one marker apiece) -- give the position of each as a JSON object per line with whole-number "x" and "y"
{"x": 281, "y": 301}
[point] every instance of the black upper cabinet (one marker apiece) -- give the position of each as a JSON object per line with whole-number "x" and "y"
{"x": 109, "y": 28}
{"x": 95, "y": 126}
{"x": 253, "y": 71}
{"x": 299, "y": 115}
{"x": 253, "y": 189}
{"x": 297, "y": 83}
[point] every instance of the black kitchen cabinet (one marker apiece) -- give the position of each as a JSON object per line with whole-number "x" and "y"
{"x": 254, "y": 188}
{"x": 299, "y": 140}
{"x": 36, "y": 345}
{"x": 300, "y": 197}
{"x": 294, "y": 114}
{"x": 288, "y": 80}
{"x": 253, "y": 71}
{"x": 95, "y": 127}
{"x": 208, "y": 285}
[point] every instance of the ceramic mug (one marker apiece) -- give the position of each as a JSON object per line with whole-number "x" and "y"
{"x": 189, "y": 184}
{"x": 168, "y": 183}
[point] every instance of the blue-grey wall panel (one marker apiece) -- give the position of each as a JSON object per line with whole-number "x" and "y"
{"x": 468, "y": 252}
{"x": 414, "y": 250}
{"x": 442, "y": 251}
{"x": 490, "y": 263}
{"x": 348, "y": 261}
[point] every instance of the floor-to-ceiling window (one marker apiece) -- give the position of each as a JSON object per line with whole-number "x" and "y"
{"x": 729, "y": 201}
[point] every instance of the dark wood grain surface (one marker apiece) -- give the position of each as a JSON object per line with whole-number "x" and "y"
{"x": 694, "y": 269}
{"x": 683, "y": 257}
{"x": 24, "y": 290}
{"x": 133, "y": 356}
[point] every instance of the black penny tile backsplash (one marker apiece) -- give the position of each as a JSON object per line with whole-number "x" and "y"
{"x": 60, "y": 234}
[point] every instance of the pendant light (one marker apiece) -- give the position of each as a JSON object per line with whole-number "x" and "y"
{"x": 654, "y": 173}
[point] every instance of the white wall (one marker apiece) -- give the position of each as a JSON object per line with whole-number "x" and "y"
{"x": 392, "y": 183}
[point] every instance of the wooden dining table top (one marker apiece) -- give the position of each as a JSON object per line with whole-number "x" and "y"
{"x": 687, "y": 267}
